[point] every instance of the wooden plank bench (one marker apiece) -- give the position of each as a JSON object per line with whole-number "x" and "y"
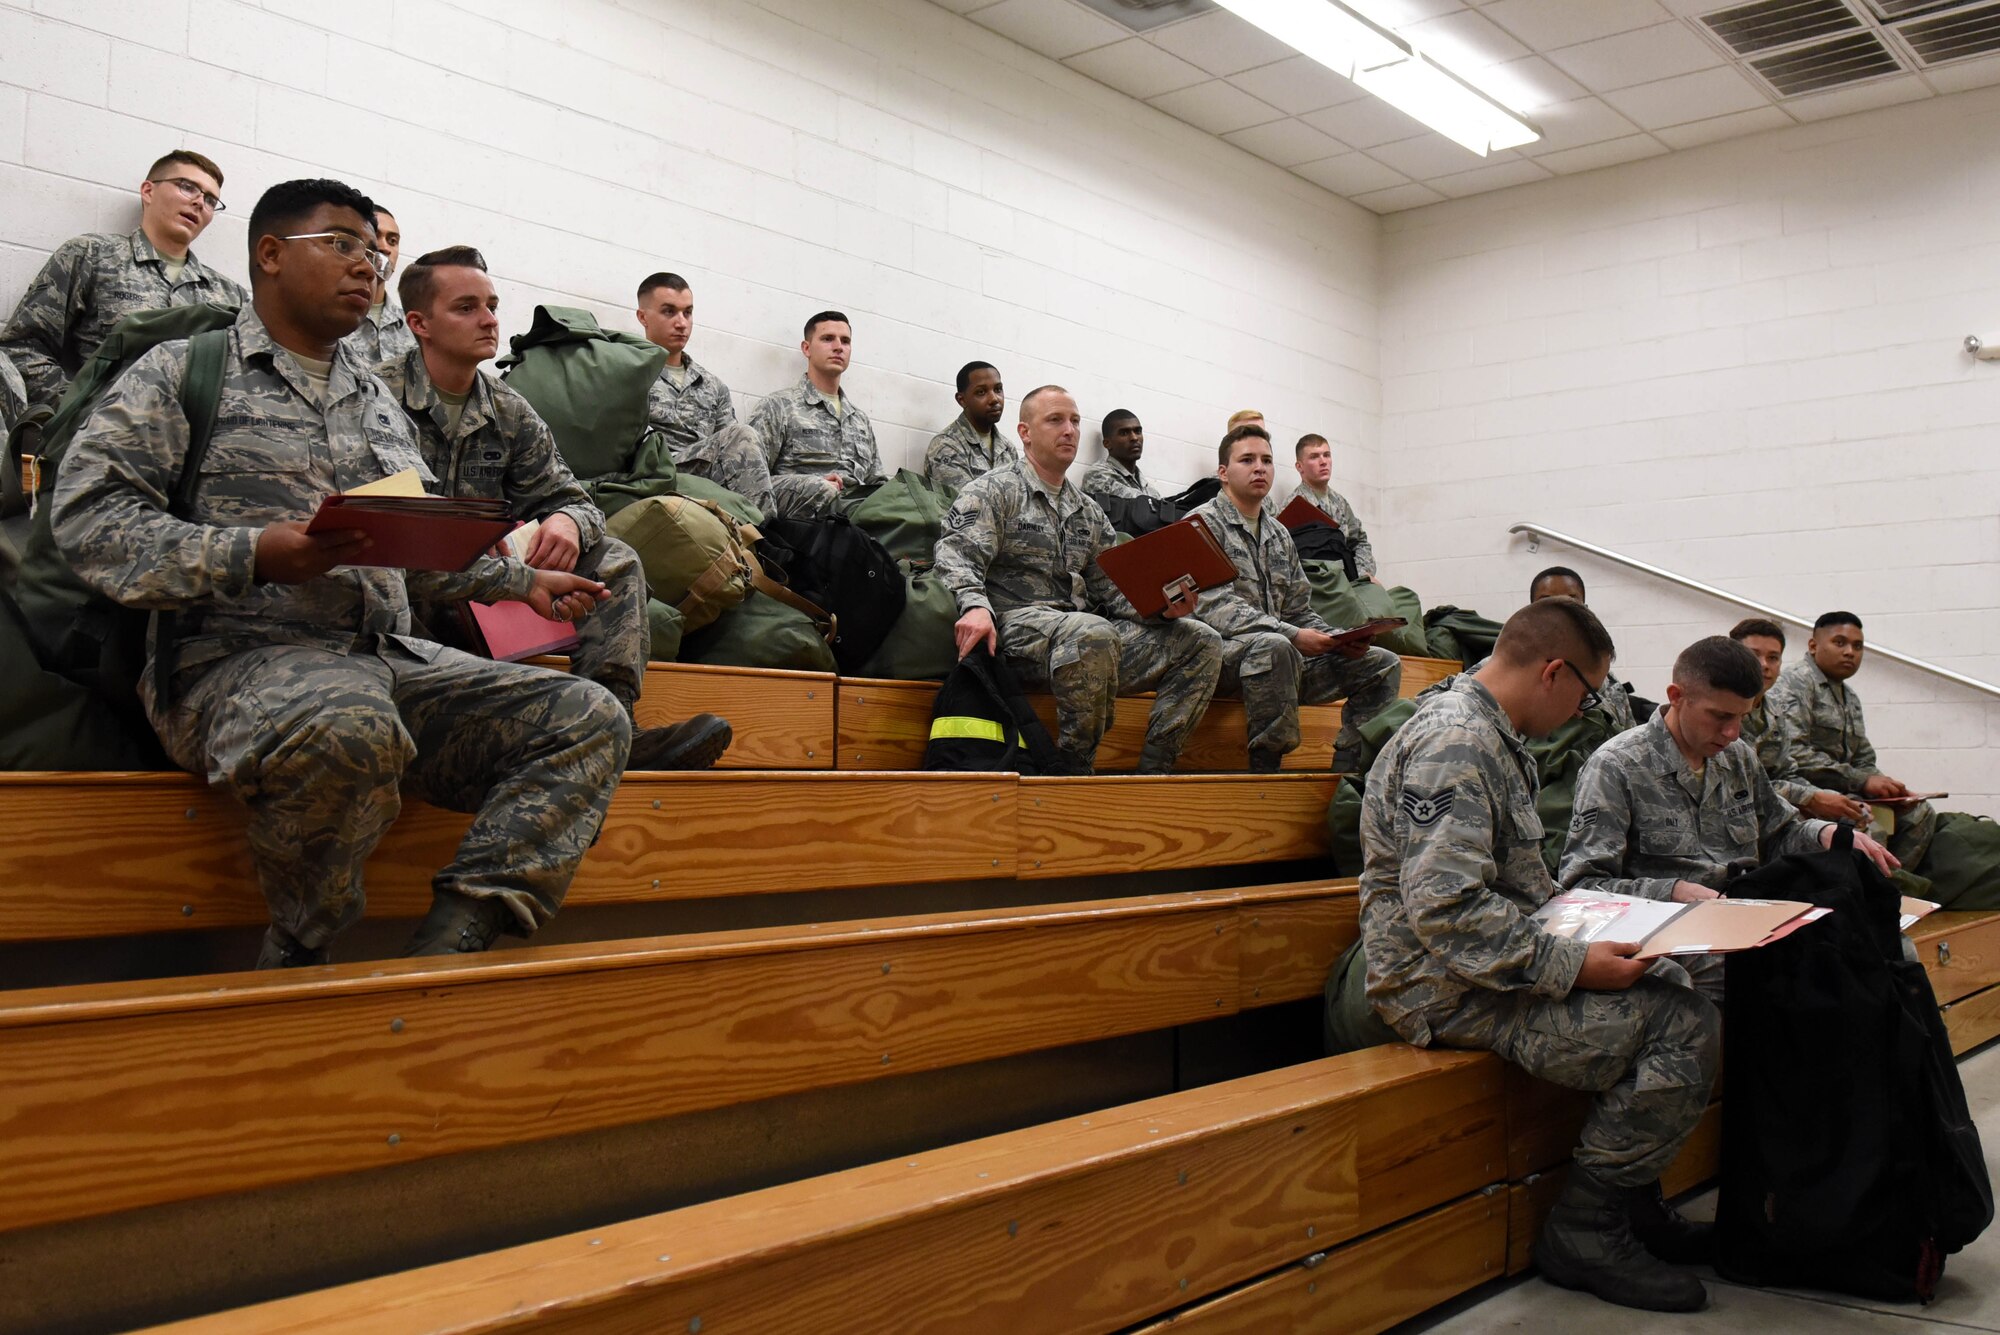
{"x": 1085, "y": 1224}
{"x": 780, "y": 720}
{"x": 132, "y": 1094}
{"x": 1961, "y": 953}
{"x": 1135, "y": 823}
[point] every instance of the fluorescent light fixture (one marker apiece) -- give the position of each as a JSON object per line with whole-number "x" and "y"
{"x": 1356, "y": 47}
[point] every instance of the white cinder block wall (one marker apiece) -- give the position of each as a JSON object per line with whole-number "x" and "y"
{"x": 1741, "y": 363}
{"x": 959, "y": 196}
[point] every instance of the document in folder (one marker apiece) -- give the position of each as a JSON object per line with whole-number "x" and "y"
{"x": 1154, "y": 569}
{"x": 1660, "y": 927}
{"x": 1366, "y": 632}
{"x": 416, "y": 532}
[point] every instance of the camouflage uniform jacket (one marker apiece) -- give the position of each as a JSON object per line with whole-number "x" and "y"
{"x": 1108, "y": 477}
{"x": 13, "y": 395}
{"x": 1644, "y": 819}
{"x": 1768, "y": 737}
{"x": 1011, "y": 540}
{"x": 274, "y": 456}
{"x": 959, "y": 454}
{"x": 1270, "y": 592}
{"x": 1822, "y": 721}
{"x": 379, "y": 341}
{"x": 1454, "y": 866}
{"x": 502, "y": 449}
{"x": 800, "y": 434}
{"x": 692, "y": 412}
{"x": 1335, "y": 507}
{"x": 88, "y": 285}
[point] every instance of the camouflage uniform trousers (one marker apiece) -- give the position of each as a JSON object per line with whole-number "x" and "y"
{"x": 1274, "y": 679}
{"x": 1649, "y": 1053}
{"x": 321, "y": 748}
{"x": 1087, "y": 661}
{"x": 1915, "y": 828}
{"x": 732, "y": 458}
{"x": 802, "y": 496}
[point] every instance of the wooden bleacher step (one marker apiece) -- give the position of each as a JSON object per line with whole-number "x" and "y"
{"x": 1085, "y": 1224}
{"x": 780, "y": 719}
{"x": 126, "y": 1095}
{"x": 1961, "y": 953}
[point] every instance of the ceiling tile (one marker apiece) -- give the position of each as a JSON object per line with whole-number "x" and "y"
{"x": 1297, "y": 85}
{"x": 1399, "y": 197}
{"x": 1640, "y": 56}
{"x": 964, "y": 6}
{"x": 1547, "y": 24}
{"x": 1965, "y": 74}
{"x": 1587, "y": 120}
{"x": 1464, "y": 40}
{"x": 1703, "y": 95}
{"x": 1220, "y": 43}
{"x": 1494, "y": 176}
{"x": 1861, "y": 97}
{"x": 1056, "y": 28}
{"x": 1397, "y": 13}
{"x": 1723, "y": 127}
{"x": 1351, "y": 174}
{"x": 1286, "y": 142}
{"x": 1136, "y": 68}
{"x": 1530, "y": 83}
{"x": 1425, "y": 156}
{"x": 1611, "y": 152}
{"x": 1216, "y": 107}
{"x": 1365, "y": 122}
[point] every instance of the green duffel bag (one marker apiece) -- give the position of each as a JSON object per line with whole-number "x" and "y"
{"x": 761, "y": 632}
{"x": 48, "y": 722}
{"x": 923, "y": 644}
{"x": 905, "y": 514}
{"x": 667, "y": 627}
{"x": 1460, "y": 633}
{"x": 702, "y": 489}
{"x": 1963, "y": 865}
{"x": 1343, "y": 602}
{"x": 588, "y": 383}
{"x": 1343, "y": 814}
{"x": 1348, "y": 1023}
{"x": 696, "y": 555}
{"x": 1559, "y": 757}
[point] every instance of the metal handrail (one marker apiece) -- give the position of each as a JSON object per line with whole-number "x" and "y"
{"x": 1536, "y": 532}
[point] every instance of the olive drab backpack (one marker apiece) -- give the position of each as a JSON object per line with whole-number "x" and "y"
{"x": 74, "y": 630}
{"x": 588, "y": 383}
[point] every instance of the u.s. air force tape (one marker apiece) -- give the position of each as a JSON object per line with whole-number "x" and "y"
{"x": 1426, "y": 810}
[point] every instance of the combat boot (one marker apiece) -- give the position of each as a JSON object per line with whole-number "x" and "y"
{"x": 1068, "y": 764}
{"x": 1265, "y": 759}
{"x": 1587, "y": 1243}
{"x": 459, "y": 924}
{"x": 1152, "y": 761}
{"x": 280, "y": 951}
{"x": 1666, "y": 1232}
{"x": 1346, "y": 761}
{"x": 696, "y": 743}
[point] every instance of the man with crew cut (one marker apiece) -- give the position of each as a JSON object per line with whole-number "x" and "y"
{"x": 689, "y": 404}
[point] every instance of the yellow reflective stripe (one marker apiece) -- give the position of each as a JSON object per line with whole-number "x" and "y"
{"x": 959, "y": 725}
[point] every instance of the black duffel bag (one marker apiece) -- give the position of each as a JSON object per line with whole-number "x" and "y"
{"x": 834, "y": 564}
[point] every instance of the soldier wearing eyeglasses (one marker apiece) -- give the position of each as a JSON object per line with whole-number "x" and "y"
{"x": 93, "y": 281}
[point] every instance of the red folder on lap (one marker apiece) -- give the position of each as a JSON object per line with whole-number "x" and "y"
{"x": 416, "y": 532}
{"x": 509, "y": 632}
{"x": 1183, "y": 556}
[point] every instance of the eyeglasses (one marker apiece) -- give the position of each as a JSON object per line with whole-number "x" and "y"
{"x": 192, "y": 192}
{"x": 1593, "y": 696}
{"x": 350, "y": 248}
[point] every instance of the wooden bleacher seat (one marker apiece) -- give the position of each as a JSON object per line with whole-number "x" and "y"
{"x": 781, "y": 719}
{"x": 127, "y": 1095}
{"x": 1085, "y": 1224}
{"x": 1961, "y": 953}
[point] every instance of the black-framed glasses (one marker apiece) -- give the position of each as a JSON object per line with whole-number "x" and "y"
{"x": 349, "y": 247}
{"x": 192, "y": 191}
{"x": 1593, "y": 696}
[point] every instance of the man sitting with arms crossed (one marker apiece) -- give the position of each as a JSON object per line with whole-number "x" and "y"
{"x": 481, "y": 438}
{"x": 1116, "y": 475}
{"x": 1015, "y": 547}
{"x": 93, "y": 281}
{"x": 816, "y": 441}
{"x": 1314, "y": 458}
{"x": 1453, "y": 871}
{"x": 691, "y": 406}
{"x": 1829, "y": 746}
{"x": 1664, "y": 809}
{"x": 971, "y": 446}
{"x": 299, "y": 688}
{"x": 1276, "y": 651}
{"x": 1766, "y": 642}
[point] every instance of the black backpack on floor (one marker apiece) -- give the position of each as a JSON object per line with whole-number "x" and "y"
{"x": 982, "y": 722}
{"x": 1849, "y": 1159}
{"x": 834, "y": 564}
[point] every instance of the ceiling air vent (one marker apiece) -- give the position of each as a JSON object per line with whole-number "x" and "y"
{"x": 1146, "y": 15}
{"x": 1748, "y": 29}
{"x": 1953, "y": 36}
{"x": 1888, "y": 10}
{"x": 1824, "y": 65}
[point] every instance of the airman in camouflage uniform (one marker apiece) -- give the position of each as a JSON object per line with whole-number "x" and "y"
{"x": 1335, "y": 507}
{"x": 1827, "y": 739}
{"x": 383, "y": 335}
{"x": 1769, "y": 739}
{"x": 13, "y": 395}
{"x": 299, "y": 688}
{"x": 692, "y": 408}
{"x": 1112, "y": 479}
{"x": 959, "y": 454}
{"x": 1261, "y": 616}
{"x": 815, "y": 440}
{"x": 1453, "y": 871}
{"x": 1024, "y": 551}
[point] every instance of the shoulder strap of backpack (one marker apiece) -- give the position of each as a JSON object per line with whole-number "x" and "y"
{"x": 201, "y": 398}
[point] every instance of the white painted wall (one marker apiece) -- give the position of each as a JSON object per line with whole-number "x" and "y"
{"x": 957, "y": 195}
{"x": 1741, "y": 363}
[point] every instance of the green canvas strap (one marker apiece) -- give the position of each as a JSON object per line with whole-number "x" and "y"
{"x": 201, "y": 399}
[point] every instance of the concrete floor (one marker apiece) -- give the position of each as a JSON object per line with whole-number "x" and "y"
{"x": 1968, "y": 1297}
